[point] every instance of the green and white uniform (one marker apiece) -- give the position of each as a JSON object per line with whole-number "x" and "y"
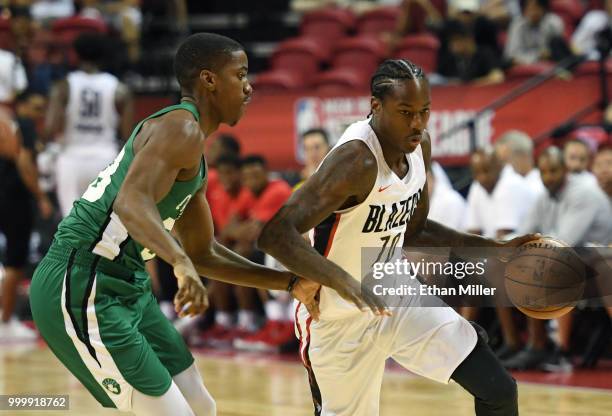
{"x": 91, "y": 297}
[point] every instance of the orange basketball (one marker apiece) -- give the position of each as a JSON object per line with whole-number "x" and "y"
{"x": 545, "y": 278}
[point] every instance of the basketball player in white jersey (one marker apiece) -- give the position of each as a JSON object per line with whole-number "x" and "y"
{"x": 371, "y": 191}
{"x": 87, "y": 111}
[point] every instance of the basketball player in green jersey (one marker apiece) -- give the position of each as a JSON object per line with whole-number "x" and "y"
{"x": 91, "y": 297}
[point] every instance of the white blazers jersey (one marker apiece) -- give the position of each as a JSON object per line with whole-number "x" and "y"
{"x": 91, "y": 116}
{"x": 378, "y": 222}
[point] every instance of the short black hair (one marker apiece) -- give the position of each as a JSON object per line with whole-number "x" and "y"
{"x": 254, "y": 160}
{"x": 544, "y": 4}
{"x": 322, "y": 132}
{"x": 392, "y": 70}
{"x": 229, "y": 160}
{"x": 202, "y": 51}
{"x": 25, "y": 95}
{"x": 455, "y": 28}
{"x": 92, "y": 47}
{"x": 229, "y": 143}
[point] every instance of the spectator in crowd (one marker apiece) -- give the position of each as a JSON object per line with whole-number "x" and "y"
{"x": 577, "y": 158}
{"x": 124, "y": 16}
{"x": 315, "y": 143}
{"x": 536, "y": 36}
{"x": 498, "y": 201}
{"x": 230, "y": 204}
{"x": 602, "y": 169}
{"x": 270, "y": 195}
{"x": 13, "y": 78}
{"x": 222, "y": 145}
{"x": 18, "y": 188}
{"x": 45, "y": 10}
{"x": 468, "y": 12}
{"x": 85, "y": 112}
{"x": 592, "y": 25}
{"x": 516, "y": 148}
{"x": 576, "y": 212}
{"x": 446, "y": 205}
{"x": 465, "y": 61}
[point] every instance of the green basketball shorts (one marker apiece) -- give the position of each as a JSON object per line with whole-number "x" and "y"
{"x": 103, "y": 323}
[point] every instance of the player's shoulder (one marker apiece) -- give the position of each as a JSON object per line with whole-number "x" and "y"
{"x": 181, "y": 126}
{"x": 353, "y": 157}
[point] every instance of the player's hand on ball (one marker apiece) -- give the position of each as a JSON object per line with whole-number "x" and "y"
{"x": 510, "y": 245}
{"x": 191, "y": 298}
{"x": 307, "y": 292}
{"x": 350, "y": 289}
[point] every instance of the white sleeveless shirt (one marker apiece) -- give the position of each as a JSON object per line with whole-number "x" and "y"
{"x": 378, "y": 222}
{"x": 91, "y": 114}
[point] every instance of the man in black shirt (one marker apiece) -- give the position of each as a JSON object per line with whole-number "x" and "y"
{"x": 18, "y": 188}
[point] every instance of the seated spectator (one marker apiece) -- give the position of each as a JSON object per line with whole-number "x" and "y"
{"x": 315, "y": 144}
{"x": 585, "y": 37}
{"x": 576, "y": 212}
{"x": 45, "y": 10}
{"x": 498, "y": 199}
{"x": 536, "y": 36}
{"x": 602, "y": 169}
{"x": 446, "y": 205}
{"x": 465, "y": 61}
{"x": 516, "y": 148}
{"x": 270, "y": 195}
{"x": 122, "y": 15}
{"x": 577, "y": 158}
{"x": 222, "y": 145}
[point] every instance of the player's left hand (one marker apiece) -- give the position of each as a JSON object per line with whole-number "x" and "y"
{"x": 307, "y": 292}
{"x": 514, "y": 243}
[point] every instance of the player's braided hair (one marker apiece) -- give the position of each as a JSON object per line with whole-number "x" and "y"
{"x": 391, "y": 71}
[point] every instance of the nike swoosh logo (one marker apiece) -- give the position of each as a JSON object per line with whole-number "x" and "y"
{"x": 382, "y": 188}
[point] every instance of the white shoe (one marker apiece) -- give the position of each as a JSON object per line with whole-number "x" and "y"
{"x": 14, "y": 330}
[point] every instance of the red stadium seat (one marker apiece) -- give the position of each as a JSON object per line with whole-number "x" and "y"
{"x": 300, "y": 55}
{"x": 363, "y": 53}
{"x": 341, "y": 81}
{"x": 528, "y": 71}
{"x": 279, "y": 80}
{"x": 328, "y": 23}
{"x": 592, "y": 68}
{"x": 421, "y": 49}
{"x": 570, "y": 11}
{"x": 382, "y": 19}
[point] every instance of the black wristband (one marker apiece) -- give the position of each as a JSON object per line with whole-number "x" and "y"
{"x": 294, "y": 279}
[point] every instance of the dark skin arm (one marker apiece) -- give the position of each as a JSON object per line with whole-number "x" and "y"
{"x": 124, "y": 101}
{"x": 166, "y": 149}
{"x": 211, "y": 259}
{"x": 421, "y": 232}
{"x": 55, "y": 119}
{"x": 328, "y": 190}
{"x": 157, "y": 164}
{"x": 26, "y": 166}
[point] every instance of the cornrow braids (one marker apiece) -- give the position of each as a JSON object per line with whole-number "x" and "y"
{"x": 391, "y": 71}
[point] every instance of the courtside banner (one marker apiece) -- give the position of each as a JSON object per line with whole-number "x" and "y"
{"x": 533, "y": 276}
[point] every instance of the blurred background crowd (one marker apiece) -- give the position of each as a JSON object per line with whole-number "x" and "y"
{"x": 71, "y": 72}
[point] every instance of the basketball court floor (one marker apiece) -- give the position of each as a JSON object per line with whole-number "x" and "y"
{"x": 258, "y": 385}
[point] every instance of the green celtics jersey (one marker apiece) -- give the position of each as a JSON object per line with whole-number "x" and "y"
{"x": 93, "y": 225}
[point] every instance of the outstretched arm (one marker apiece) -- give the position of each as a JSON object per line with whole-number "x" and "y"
{"x": 211, "y": 259}
{"x": 345, "y": 179}
{"x": 422, "y": 232}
